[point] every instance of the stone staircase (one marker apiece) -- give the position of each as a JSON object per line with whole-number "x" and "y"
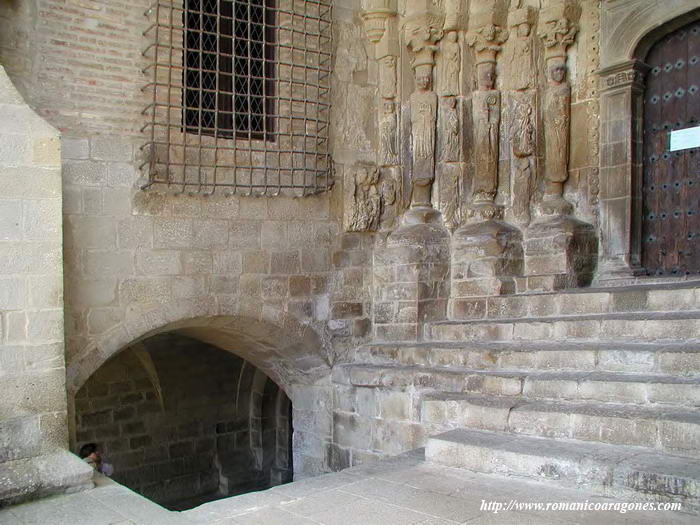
{"x": 592, "y": 388}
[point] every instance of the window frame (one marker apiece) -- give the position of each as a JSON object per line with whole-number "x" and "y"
{"x": 226, "y": 119}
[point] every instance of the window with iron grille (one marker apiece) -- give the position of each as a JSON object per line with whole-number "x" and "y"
{"x": 229, "y": 78}
{"x": 240, "y": 96}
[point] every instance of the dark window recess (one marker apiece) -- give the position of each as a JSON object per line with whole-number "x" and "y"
{"x": 229, "y": 68}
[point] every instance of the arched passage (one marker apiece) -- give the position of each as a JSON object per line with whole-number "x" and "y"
{"x": 287, "y": 354}
{"x": 183, "y": 422}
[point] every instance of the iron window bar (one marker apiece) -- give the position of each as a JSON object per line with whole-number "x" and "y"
{"x": 240, "y": 97}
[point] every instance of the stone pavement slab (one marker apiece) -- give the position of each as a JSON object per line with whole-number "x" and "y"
{"x": 398, "y": 491}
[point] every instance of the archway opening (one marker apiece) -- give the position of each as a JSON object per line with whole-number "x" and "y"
{"x": 184, "y": 422}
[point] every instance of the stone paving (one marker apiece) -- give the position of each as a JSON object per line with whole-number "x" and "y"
{"x": 400, "y": 491}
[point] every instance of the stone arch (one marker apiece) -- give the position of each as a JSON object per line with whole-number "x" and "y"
{"x": 628, "y": 30}
{"x": 290, "y": 353}
{"x": 286, "y": 350}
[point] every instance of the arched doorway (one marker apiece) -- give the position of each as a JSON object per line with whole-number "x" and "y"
{"x": 670, "y": 224}
{"x": 184, "y": 422}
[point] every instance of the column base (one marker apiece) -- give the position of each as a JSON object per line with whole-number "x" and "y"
{"x": 486, "y": 257}
{"x": 58, "y": 473}
{"x": 560, "y": 252}
{"x": 411, "y": 276}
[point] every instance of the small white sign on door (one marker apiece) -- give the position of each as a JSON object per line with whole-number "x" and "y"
{"x": 684, "y": 139}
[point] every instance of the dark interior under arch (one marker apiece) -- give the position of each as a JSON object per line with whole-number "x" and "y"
{"x": 184, "y": 422}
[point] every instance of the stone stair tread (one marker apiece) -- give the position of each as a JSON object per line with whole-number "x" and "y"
{"x": 598, "y": 409}
{"x": 635, "y": 458}
{"x": 529, "y": 346}
{"x": 651, "y": 285}
{"x": 620, "y": 316}
{"x": 542, "y": 375}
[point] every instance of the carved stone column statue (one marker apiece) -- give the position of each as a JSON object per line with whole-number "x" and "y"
{"x": 522, "y": 105}
{"x": 557, "y": 33}
{"x": 422, "y": 33}
{"x": 379, "y": 17}
{"x": 486, "y": 252}
{"x": 560, "y": 250}
{"x": 421, "y": 242}
{"x": 486, "y": 117}
{"x": 423, "y": 103}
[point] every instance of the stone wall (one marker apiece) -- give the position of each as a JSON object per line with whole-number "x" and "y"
{"x": 181, "y": 421}
{"x": 33, "y": 435}
{"x": 138, "y": 261}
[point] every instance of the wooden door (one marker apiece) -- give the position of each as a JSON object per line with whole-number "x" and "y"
{"x": 671, "y": 183}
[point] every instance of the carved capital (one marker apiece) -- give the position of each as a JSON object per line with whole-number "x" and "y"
{"x": 374, "y": 15}
{"x": 422, "y": 33}
{"x": 487, "y": 42}
{"x": 557, "y": 29}
{"x": 630, "y": 74}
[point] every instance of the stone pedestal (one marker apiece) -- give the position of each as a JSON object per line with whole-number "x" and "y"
{"x": 560, "y": 252}
{"x": 486, "y": 257}
{"x": 411, "y": 280}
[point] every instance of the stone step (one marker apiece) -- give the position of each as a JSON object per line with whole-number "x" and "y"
{"x": 676, "y": 327}
{"x": 59, "y": 472}
{"x": 611, "y": 470}
{"x": 584, "y": 301}
{"x": 573, "y": 386}
{"x": 669, "y": 429}
{"x": 644, "y": 358}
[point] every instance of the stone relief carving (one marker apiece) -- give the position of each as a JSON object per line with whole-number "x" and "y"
{"x": 451, "y": 63}
{"x": 371, "y": 198}
{"x": 388, "y": 136}
{"x": 522, "y": 103}
{"x": 387, "y": 77}
{"x": 523, "y": 145}
{"x": 520, "y": 59}
{"x": 486, "y": 107}
{"x": 389, "y": 200}
{"x": 450, "y": 192}
{"x": 450, "y": 129}
{"x": 557, "y": 34}
{"x": 365, "y": 203}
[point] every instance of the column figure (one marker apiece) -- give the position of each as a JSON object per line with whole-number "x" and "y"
{"x": 486, "y": 115}
{"x": 558, "y": 33}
